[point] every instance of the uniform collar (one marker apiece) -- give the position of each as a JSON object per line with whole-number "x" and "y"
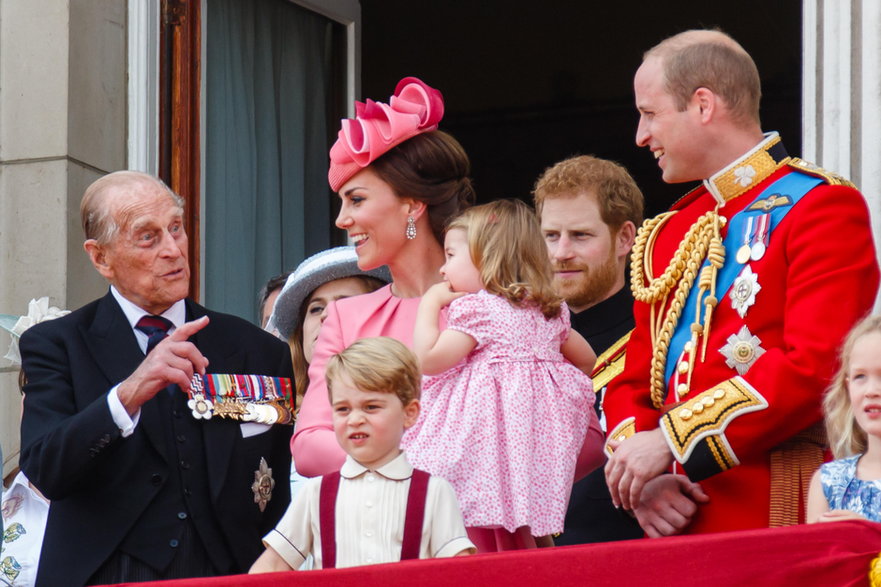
{"x": 397, "y": 469}
{"x": 748, "y": 170}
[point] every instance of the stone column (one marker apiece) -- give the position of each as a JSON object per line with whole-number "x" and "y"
{"x": 842, "y": 93}
{"x": 62, "y": 125}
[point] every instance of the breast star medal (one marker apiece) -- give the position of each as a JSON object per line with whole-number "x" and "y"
{"x": 263, "y": 485}
{"x": 742, "y": 350}
{"x": 743, "y": 292}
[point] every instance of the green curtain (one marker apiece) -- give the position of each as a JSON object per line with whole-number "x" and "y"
{"x": 268, "y": 85}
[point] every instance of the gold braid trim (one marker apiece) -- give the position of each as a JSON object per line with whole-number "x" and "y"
{"x": 682, "y": 272}
{"x": 875, "y": 572}
{"x": 793, "y": 463}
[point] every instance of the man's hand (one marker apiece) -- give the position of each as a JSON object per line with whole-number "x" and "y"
{"x": 636, "y": 461}
{"x": 174, "y": 360}
{"x": 667, "y": 505}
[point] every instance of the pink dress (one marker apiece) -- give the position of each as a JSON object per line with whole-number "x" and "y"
{"x": 505, "y": 426}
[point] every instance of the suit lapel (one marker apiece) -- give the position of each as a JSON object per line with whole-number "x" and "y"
{"x": 112, "y": 343}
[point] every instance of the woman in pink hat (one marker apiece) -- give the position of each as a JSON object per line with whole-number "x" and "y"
{"x": 400, "y": 180}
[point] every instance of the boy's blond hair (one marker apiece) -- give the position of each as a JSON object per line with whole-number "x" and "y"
{"x": 377, "y": 364}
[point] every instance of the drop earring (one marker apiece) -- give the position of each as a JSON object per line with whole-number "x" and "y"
{"x": 411, "y": 228}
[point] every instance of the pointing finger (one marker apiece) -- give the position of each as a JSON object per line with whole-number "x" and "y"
{"x": 188, "y": 329}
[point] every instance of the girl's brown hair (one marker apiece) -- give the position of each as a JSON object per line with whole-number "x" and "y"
{"x": 506, "y": 246}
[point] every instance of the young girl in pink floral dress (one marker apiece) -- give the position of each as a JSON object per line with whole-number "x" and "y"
{"x": 507, "y": 406}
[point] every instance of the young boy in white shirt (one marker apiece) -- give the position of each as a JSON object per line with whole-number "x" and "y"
{"x": 377, "y": 509}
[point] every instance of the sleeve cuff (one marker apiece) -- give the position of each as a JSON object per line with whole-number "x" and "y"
{"x": 624, "y": 430}
{"x": 695, "y": 429}
{"x": 120, "y": 416}
{"x": 454, "y": 547}
{"x": 290, "y": 553}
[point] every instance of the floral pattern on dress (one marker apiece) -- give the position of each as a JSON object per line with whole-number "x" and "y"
{"x": 843, "y": 491}
{"x": 505, "y": 426}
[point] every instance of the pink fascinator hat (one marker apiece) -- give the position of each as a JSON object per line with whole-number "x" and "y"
{"x": 414, "y": 108}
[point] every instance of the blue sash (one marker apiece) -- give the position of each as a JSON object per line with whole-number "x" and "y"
{"x": 794, "y": 186}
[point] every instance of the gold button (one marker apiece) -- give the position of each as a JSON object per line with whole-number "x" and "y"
{"x": 697, "y": 408}
{"x": 683, "y": 367}
{"x": 682, "y": 388}
{"x": 622, "y": 438}
{"x": 708, "y": 402}
{"x": 685, "y": 414}
{"x": 688, "y": 347}
{"x": 719, "y": 393}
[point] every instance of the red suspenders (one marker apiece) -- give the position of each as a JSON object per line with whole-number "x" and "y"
{"x": 413, "y": 519}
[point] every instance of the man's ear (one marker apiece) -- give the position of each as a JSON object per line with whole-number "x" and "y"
{"x": 624, "y": 239}
{"x": 706, "y": 102}
{"x": 411, "y": 413}
{"x": 98, "y": 255}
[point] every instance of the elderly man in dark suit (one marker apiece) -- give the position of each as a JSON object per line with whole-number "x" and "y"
{"x": 140, "y": 489}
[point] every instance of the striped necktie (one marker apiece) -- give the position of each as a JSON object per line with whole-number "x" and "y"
{"x": 155, "y": 327}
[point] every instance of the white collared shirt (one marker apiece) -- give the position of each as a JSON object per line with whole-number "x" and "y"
{"x": 177, "y": 315}
{"x": 24, "y": 522}
{"x": 370, "y": 514}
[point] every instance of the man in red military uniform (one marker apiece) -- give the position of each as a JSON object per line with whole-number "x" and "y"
{"x": 744, "y": 292}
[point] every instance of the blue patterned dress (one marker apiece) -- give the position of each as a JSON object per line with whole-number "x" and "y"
{"x": 844, "y": 491}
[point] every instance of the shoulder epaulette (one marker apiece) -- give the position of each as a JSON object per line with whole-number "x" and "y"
{"x": 610, "y": 363}
{"x": 816, "y": 171}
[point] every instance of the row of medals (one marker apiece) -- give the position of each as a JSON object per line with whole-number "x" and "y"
{"x": 271, "y": 411}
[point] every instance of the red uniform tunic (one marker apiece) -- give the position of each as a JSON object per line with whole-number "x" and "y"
{"x": 818, "y": 276}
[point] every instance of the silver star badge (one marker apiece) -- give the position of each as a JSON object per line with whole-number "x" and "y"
{"x": 743, "y": 292}
{"x": 742, "y": 350}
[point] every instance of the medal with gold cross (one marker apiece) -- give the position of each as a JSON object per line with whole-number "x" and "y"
{"x": 743, "y": 291}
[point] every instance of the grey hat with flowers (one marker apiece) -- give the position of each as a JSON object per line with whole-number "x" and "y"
{"x": 320, "y": 268}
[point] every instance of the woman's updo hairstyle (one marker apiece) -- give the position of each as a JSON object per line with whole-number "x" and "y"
{"x": 431, "y": 167}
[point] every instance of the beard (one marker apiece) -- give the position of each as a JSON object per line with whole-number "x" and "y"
{"x": 591, "y": 286}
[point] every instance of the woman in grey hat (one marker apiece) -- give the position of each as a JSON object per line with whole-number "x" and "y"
{"x": 301, "y": 307}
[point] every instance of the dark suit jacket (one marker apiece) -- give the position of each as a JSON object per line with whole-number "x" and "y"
{"x": 99, "y": 482}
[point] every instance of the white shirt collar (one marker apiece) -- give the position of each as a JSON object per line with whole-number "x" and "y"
{"x": 177, "y": 313}
{"x": 397, "y": 469}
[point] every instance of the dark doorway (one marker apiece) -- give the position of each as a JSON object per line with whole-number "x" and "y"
{"x": 528, "y": 84}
